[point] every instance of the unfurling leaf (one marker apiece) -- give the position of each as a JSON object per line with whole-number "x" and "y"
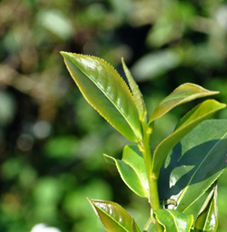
{"x": 106, "y": 92}
{"x": 184, "y": 93}
{"x": 114, "y": 217}
{"x": 132, "y": 170}
{"x": 138, "y": 97}
{"x": 173, "y": 220}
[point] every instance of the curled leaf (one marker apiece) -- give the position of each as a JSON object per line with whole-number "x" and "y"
{"x": 114, "y": 217}
{"x": 132, "y": 170}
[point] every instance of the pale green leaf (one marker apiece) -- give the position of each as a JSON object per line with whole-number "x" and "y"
{"x": 114, "y": 217}
{"x": 106, "y": 91}
{"x": 138, "y": 97}
{"x": 132, "y": 170}
{"x": 184, "y": 93}
{"x": 188, "y": 122}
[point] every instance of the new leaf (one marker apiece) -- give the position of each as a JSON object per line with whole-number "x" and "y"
{"x": 106, "y": 92}
{"x": 136, "y": 94}
{"x": 184, "y": 93}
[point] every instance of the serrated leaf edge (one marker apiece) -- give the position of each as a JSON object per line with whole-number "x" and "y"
{"x": 136, "y": 133}
{"x": 136, "y": 93}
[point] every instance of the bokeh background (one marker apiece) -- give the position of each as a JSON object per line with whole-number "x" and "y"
{"x": 51, "y": 140}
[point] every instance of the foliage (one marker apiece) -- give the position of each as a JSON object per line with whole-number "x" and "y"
{"x": 47, "y": 167}
{"x": 195, "y": 151}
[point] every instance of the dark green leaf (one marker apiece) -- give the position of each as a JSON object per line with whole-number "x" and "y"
{"x": 173, "y": 220}
{"x": 195, "y": 164}
{"x": 188, "y": 122}
{"x": 114, "y": 217}
{"x": 106, "y": 91}
{"x": 184, "y": 93}
{"x": 132, "y": 170}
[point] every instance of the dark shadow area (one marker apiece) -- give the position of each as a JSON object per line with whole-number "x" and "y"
{"x": 196, "y": 165}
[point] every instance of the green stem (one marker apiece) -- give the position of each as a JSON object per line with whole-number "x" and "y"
{"x": 154, "y": 197}
{"x": 153, "y": 182}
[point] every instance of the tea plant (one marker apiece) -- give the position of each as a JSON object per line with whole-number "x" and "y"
{"x": 178, "y": 178}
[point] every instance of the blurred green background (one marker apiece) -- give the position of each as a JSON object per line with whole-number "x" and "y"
{"x": 51, "y": 140}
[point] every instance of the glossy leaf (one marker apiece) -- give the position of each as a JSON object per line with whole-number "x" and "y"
{"x": 207, "y": 220}
{"x": 136, "y": 93}
{"x": 184, "y": 93}
{"x": 188, "y": 122}
{"x": 114, "y": 217}
{"x": 195, "y": 164}
{"x": 132, "y": 170}
{"x": 106, "y": 91}
{"x": 173, "y": 220}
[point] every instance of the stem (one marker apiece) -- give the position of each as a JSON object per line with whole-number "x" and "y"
{"x": 152, "y": 180}
{"x": 154, "y": 198}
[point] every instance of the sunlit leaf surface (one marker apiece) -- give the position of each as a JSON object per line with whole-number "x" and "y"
{"x": 106, "y": 91}
{"x": 132, "y": 170}
{"x": 114, "y": 217}
{"x": 184, "y": 93}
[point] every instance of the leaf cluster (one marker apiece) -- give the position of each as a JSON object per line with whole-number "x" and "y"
{"x": 47, "y": 166}
{"x": 181, "y": 172}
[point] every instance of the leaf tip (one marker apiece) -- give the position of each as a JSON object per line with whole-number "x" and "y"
{"x": 122, "y": 61}
{"x": 63, "y": 53}
{"x": 92, "y": 202}
{"x": 66, "y": 55}
{"x": 109, "y": 159}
